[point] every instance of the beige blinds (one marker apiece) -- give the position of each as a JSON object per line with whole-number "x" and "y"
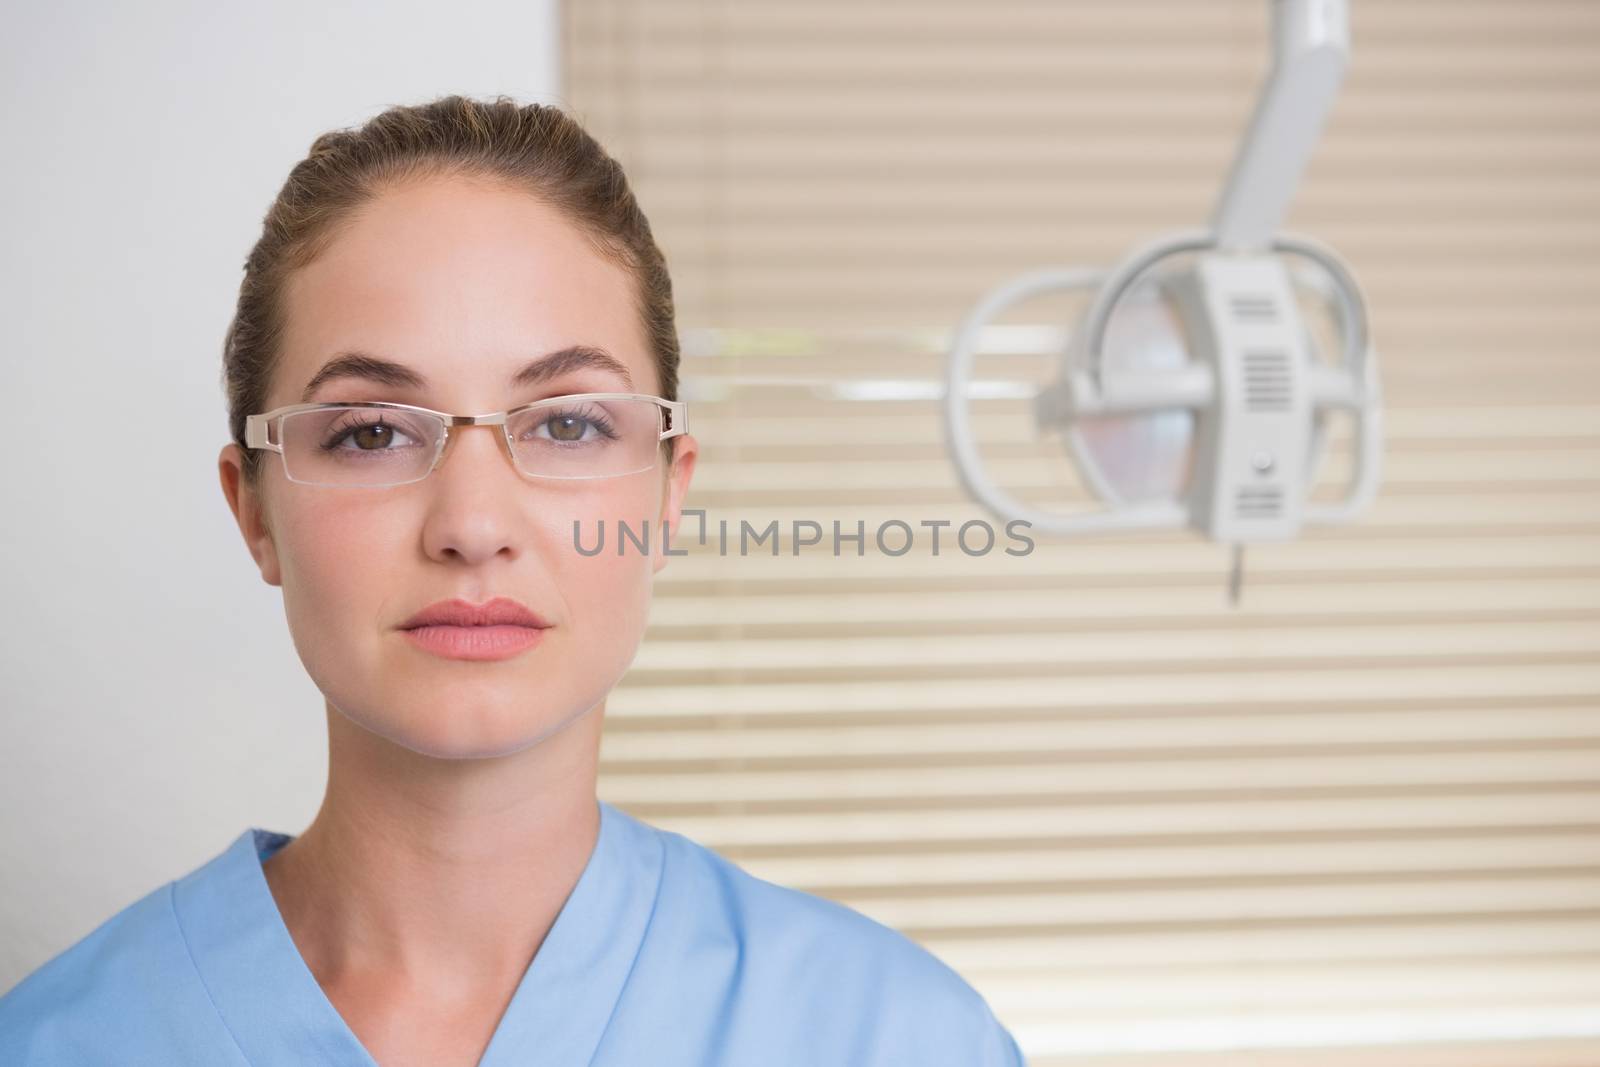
{"x": 1355, "y": 819}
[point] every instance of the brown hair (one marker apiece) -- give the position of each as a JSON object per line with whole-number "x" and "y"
{"x": 536, "y": 148}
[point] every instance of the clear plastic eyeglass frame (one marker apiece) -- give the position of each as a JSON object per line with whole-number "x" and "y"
{"x": 265, "y": 431}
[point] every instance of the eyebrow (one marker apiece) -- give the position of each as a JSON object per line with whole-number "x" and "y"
{"x": 387, "y": 372}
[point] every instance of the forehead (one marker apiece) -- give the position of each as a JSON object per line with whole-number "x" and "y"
{"x": 465, "y": 282}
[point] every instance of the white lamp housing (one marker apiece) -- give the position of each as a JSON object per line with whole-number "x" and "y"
{"x": 1222, "y": 372}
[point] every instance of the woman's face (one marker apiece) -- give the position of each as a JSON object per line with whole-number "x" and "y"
{"x": 464, "y": 283}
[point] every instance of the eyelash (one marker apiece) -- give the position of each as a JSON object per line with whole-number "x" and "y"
{"x": 338, "y": 434}
{"x": 596, "y": 418}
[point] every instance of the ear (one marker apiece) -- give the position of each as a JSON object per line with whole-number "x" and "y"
{"x": 684, "y": 452}
{"x": 249, "y": 512}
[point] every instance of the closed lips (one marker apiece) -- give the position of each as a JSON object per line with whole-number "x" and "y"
{"x": 502, "y": 611}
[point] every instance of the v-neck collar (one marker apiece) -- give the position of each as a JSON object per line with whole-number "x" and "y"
{"x": 278, "y": 1014}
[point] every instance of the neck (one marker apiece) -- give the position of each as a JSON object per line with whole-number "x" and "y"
{"x": 443, "y": 876}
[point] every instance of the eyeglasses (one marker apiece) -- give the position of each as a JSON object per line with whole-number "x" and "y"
{"x": 369, "y": 445}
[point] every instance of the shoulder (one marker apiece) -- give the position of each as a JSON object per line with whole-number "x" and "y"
{"x": 830, "y": 963}
{"x": 125, "y": 987}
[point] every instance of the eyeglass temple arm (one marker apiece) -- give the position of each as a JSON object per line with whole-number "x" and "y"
{"x": 680, "y": 418}
{"x": 255, "y": 433}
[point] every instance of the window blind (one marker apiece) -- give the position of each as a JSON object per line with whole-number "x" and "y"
{"x": 1354, "y": 819}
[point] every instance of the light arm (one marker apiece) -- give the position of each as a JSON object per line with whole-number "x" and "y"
{"x": 1311, "y": 48}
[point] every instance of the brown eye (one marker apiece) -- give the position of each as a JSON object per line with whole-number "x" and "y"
{"x": 371, "y": 437}
{"x": 571, "y": 428}
{"x": 567, "y": 427}
{"x": 375, "y": 436}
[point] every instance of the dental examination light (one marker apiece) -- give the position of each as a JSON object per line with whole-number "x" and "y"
{"x": 1191, "y": 392}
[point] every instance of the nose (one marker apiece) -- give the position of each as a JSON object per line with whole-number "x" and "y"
{"x": 477, "y": 497}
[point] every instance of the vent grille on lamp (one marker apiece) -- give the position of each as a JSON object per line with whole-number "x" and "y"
{"x": 1254, "y": 308}
{"x": 1259, "y": 502}
{"x": 1266, "y": 380}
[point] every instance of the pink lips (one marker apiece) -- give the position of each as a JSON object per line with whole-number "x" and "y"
{"x": 456, "y": 629}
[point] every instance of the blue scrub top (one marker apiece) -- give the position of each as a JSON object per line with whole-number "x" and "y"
{"x": 664, "y": 954}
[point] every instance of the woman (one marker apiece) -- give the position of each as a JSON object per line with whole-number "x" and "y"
{"x": 462, "y": 897}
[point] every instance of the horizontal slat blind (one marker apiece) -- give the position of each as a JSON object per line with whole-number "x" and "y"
{"x": 1355, "y": 819}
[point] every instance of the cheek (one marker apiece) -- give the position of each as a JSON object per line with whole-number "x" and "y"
{"x": 606, "y": 593}
{"x": 339, "y": 564}
{"x": 608, "y": 596}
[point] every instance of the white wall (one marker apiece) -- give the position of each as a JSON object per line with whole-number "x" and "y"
{"x": 151, "y": 703}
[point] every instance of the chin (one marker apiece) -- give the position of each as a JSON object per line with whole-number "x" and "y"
{"x": 454, "y": 719}
{"x": 461, "y": 728}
